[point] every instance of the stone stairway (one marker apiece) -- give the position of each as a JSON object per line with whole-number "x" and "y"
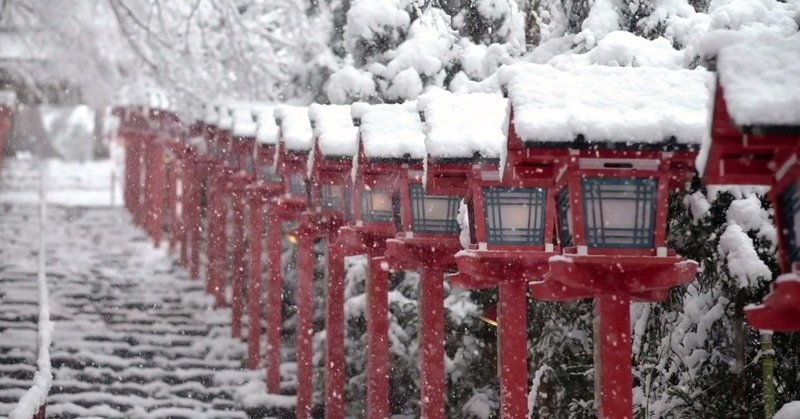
{"x": 134, "y": 337}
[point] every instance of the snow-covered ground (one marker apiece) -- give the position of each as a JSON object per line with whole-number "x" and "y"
{"x": 134, "y": 336}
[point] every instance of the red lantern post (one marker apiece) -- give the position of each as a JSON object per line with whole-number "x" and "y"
{"x": 202, "y": 164}
{"x": 164, "y": 126}
{"x": 186, "y": 199}
{"x": 225, "y": 165}
{"x": 242, "y": 157}
{"x": 8, "y": 102}
{"x": 336, "y": 142}
{"x": 296, "y": 138}
{"x": 267, "y": 186}
{"x": 623, "y": 157}
{"x": 755, "y": 139}
{"x": 390, "y": 140}
{"x": 508, "y": 221}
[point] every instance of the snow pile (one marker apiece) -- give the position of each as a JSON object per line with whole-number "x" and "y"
{"x": 8, "y": 97}
{"x": 267, "y": 132}
{"x": 295, "y": 128}
{"x": 244, "y": 124}
{"x": 603, "y": 19}
{"x": 790, "y": 410}
{"x": 460, "y": 125}
{"x": 733, "y": 21}
{"x": 225, "y": 117}
{"x": 369, "y": 20}
{"x": 621, "y": 48}
{"x": 334, "y": 129}
{"x": 744, "y": 265}
{"x": 210, "y": 114}
{"x": 390, "y": 131}
{"x": 463, "y": 223}
{"x": 425, "y": 54}
{"x": 349, "y": 85}
{"x": 761, "y": 80}
{"x": 617, "y": 104}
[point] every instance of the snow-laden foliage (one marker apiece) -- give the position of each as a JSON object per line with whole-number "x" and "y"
{"x": 694, "y": 355}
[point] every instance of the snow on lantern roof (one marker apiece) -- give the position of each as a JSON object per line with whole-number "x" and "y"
{"x": 760, "y": 78}
{"x": 390, "y": 131}
{"x": 210, "y": 115}
{"x": 9, "y": 97}
{"x": 333, "y": 127}
{"x": 462, "y": 125}
{"x": 244, "y": 123}
{"x": 267, "y": 132}
{"x": 224, "y": 117}
{"x": 295, "y": 127}
{"x": 600, "y": 104}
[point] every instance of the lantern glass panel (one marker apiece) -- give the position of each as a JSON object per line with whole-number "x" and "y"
{"x": 233, "y": 157}
{"x": 250, "y": 163}
{"x": 565, "y": 218}
{"x": 515, "y": 215}
{"x": 433, "y": 213}
{"x": 791, "y": 214}
{"x": 620, "y": 212}
{"x": 376, "y": 206}
{"x": 336, "y": 197}
{"x": 268, "y": 174}
{"x": 297, "y": 184}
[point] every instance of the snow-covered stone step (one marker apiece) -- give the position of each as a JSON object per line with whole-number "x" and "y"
{"x": 134, "y": 336}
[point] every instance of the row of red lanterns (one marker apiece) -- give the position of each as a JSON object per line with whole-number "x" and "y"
{"x": 563, "y": 221}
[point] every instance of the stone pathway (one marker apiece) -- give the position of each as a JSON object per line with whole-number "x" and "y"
{"x": 134, "y": 336}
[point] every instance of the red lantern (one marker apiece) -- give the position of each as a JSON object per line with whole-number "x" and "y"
{"x": 267, "y": 186}
{"x": 295, "y": 144}
{"x": 330, "y": 206}
{"x": 755, "y": 139}
{"x": 390, "y": 141}
{"x": 8, "y": 102}
{"x": 242, "y": 146}
{"x": 613, "y": 163}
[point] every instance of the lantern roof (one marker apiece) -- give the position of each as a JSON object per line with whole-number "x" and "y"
{"x": 334, "y": 130}
{"x": 295, "y": 127}
{"x": 760, "y": 78}
{"x": 464, "y": 125}
{"x": 390, "y": 131}
{"x": 621, "y": 106}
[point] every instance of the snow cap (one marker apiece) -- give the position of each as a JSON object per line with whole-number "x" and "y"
{"x": 333, "y": 127}
{"x": 391, "y": 131}
{"x": 760, "y": 78}
{"x": 267, "y": 131}
{"x": 210, "y": 113}
{"x": 461, "y": 125}
{"x": 225, "y": 117}
{"x": 244, "y": 123}
{"x": 295, "y": 127}
{"x": 607, "y": 104}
